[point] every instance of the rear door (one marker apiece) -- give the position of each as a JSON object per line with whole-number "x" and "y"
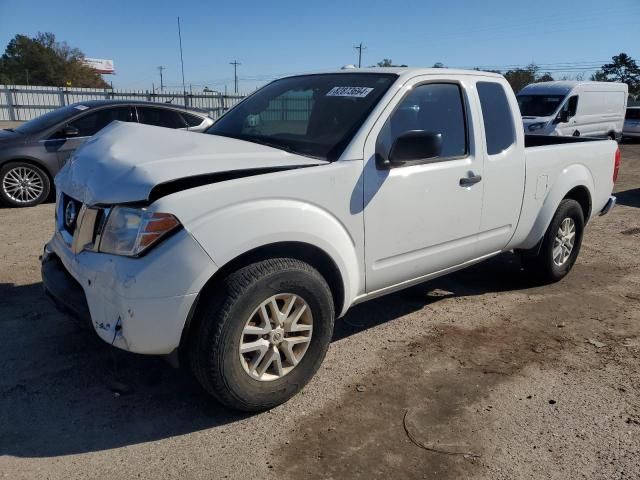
{"x": 420, "y": 219}
{"x": 504, "y": 165}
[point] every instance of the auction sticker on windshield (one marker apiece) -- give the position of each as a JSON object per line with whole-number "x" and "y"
{"x": 359, "y": 92}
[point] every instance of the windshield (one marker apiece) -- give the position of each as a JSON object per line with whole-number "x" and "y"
{"x": 49, "y": 119}
{"x": 539, "y": 105}
{"x": 312, "y": 115}
{"x": 632, "y": 114}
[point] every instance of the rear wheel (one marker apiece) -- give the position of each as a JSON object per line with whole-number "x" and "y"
{"x": 263, "y": 334}
{"x": 560, "y": 245}
{"x": 23, "y": 184}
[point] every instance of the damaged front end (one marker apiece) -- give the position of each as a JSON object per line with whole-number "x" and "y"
{"x": 107, "y": 267}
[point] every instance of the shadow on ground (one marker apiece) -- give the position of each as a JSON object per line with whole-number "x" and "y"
{"x": 629, "y": 198}
{"x": 63, "y": 391}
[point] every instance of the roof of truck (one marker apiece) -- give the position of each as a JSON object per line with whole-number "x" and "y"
{"x": 409, "y": 71}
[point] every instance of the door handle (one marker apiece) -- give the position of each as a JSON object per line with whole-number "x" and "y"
{"x": 470, "y": 180}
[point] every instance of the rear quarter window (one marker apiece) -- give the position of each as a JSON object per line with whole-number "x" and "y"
{"x": 496, "y": 115}
{"x": 192, "y": 120}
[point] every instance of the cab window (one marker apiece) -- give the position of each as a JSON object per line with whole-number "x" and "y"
{"x": 572, "y": 105}
{"x": 432, "y": 108}
{"x": 496, "y": 115}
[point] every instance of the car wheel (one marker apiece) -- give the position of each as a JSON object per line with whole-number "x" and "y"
{"x": 23, "y": 184}
{"x": 560, "y": 245}
{"x": 262, "y": 334}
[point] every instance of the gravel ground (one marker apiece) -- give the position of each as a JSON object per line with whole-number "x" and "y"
{"x": 480, "y": 374}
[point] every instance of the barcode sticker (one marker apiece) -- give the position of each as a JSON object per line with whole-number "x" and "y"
{"x": 358, "y": 92}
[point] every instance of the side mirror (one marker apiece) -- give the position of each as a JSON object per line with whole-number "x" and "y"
{"x": 414, "y": 147}
{"x": 70, "y": 131}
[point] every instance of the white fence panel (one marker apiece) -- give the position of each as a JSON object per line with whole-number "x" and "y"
{"x": 21, "y": 102}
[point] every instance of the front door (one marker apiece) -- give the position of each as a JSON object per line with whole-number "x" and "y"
{"x": 423, "y": 218}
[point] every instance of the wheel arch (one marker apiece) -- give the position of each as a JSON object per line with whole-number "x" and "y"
{"x": 581, "y": 195}
{"x": 575, "y": 182}
{"x": 305, "y": 252}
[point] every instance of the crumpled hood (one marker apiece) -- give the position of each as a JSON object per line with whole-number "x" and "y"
{"x": 125, "y": 161}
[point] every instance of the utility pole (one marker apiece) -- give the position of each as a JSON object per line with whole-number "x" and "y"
{"x": 160, "y": 69}
{"x": 235, "y": 73}
{"x": 360, "y": 48}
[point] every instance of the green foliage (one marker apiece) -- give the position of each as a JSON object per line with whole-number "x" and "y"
{"x": 44, "y": 61}
{"x": 623, "y": 69}
{"x": 387, "y": 62}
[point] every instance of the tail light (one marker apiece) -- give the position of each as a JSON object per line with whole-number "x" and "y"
{"x": 616, "y": 165}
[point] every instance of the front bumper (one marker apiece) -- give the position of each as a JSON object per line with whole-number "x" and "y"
{"x": 136, "y": 304}
{"x": 62, "y": 289}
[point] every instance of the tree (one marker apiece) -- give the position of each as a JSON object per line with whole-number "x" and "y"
{"x": 546, "y": 77}
{"x": 623, "y": 69}
{"x": 42, "y": 60}
{"x": 387, "y": 62}
{"x": 438, "y": 65}
{"x": 519, "y": 78}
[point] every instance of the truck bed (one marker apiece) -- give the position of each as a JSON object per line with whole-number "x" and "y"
{"x": 554, "y": 165}
{"x": 543, "y": 140}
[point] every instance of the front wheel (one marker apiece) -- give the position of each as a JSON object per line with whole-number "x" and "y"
{"x": 560, "y": 245}
{"x": 263, "y": 334}
{"x": 23, "y": 184}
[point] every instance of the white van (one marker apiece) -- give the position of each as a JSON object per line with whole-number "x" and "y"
{"x": 589, "y": 109}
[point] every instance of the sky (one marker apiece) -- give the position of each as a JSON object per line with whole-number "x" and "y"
{"x": 272, "y": 38}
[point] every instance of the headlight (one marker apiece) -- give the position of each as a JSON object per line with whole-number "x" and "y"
{"x": 131, "y": 231}
{"x": 536, "y": 126}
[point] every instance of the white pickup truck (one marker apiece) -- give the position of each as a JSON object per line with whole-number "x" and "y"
{"x": 237, "y": 248}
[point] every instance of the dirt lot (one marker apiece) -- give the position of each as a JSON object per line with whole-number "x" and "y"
{"x": 480, "y": 374}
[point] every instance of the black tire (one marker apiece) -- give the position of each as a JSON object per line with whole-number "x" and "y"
{"x": 8, "y": 175}
{"x": 213, "y": 347}
{"x": 542, "y": 264}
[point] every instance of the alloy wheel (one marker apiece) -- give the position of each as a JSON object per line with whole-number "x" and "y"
{"x": 564, "y": 241}
{"x": 22, "y": 184}
{"x": 276, "y": 337}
